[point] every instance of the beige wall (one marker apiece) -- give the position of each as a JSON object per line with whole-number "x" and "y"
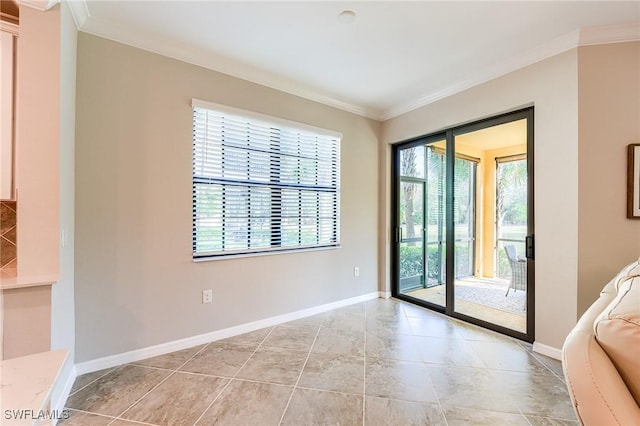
{"x": 551, "y": 86}
{"x": 135, "y": 282}
{"x": 609, "y": 114}
{"x": 37, "y": 141}
{"x": 384, "y": 212}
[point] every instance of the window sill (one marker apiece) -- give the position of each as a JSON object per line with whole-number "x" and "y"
{"x": 265, "y": 253}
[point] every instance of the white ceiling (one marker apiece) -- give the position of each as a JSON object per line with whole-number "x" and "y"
{"x": 395, "y": 56}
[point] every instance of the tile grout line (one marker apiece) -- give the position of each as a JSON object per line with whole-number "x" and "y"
{"x": 173, "y": 372}
{"x": 177, "y": 370}
{"x": 91, "y": 412}
{"x": 435, "y": 391}
{"x": 91, "y": 382}
{"x": 525, "y": 417}
{"x": 446, "y": 422}
{"x": 234, "y": 376}
{"x": 325, "y": 390}
{"x": 261, "y": 382}
{"x": 300, "y": 375}
{"x": 215, "y": 399}
{"x": 138, "y": 422}
{"x": 193, "y": 356}
{"x": 119, "y": 416}
{"x": 151, "y": 367}
{"x": 535, "y": 356}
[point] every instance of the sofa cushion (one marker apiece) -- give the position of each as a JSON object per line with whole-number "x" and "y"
{"x": 617, "y": 328}
{"x": 612, "y": 286}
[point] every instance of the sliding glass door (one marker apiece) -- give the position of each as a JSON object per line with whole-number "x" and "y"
{"x": 463, "y": 222}
{"x": 421, "y": 234}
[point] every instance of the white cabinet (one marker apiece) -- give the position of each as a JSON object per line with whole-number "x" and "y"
{"x": 7, "y": 139}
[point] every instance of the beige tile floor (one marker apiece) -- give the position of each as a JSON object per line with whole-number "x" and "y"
{"x": 381, "y": 362}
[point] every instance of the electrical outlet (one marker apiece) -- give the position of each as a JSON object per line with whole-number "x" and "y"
{"x": 356, "y": 271}
{"x": 64, "y": 238}
{"x": 207, "y": 296}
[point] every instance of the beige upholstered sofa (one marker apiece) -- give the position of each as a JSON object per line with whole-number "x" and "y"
{"x": 601, "y": 355}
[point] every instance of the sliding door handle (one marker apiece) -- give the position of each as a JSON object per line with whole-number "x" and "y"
{"x": 530, "y": 243}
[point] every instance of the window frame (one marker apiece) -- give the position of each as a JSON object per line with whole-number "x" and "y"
{"x": 276, "y": 204}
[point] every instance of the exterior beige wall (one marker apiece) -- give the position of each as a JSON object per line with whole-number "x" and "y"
{"x": 609, "y": 114}
{"x": 551, "y": 86}
{"x": 135, "y": 282}
{"x": 37, "y": 141}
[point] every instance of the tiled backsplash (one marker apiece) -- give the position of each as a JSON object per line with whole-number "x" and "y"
{"x": 8, "y": 238}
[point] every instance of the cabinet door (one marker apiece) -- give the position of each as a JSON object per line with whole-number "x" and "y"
{"x": 6, "y": 116}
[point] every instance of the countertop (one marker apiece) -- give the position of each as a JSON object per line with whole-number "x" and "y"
{"x": 11, "y": 280}
{"x": 25, "y": 386}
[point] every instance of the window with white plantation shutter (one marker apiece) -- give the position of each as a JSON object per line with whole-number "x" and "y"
{"x": 262, "y": 184}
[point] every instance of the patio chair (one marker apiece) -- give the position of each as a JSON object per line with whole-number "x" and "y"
{"x": 518, "y": 270}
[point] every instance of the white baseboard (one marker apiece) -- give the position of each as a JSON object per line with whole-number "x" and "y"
{"x": 176, "y": 345}
{"x": 549, "y": 351}
{"x": 384, "y": 294}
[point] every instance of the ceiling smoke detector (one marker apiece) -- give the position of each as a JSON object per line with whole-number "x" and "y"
{"x": 347, "y": 16}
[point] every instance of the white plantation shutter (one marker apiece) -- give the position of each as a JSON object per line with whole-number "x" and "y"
{"x": 262, "y": 184}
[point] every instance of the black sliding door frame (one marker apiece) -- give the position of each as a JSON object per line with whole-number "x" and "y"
{"x": 396, "y": 220}
{"x": 449, "y": 136}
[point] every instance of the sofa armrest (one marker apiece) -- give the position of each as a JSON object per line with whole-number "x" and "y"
{"x": 598, "y": 393}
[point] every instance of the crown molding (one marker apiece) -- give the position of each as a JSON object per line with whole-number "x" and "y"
{"x": 619, "y": 33}
{"x": 200, "y": 57}
{"x": 79, "y": 12}
{"x": 537, "y": 54}
{"x": 41, "y": 5}
{"x": 206, "y": 59}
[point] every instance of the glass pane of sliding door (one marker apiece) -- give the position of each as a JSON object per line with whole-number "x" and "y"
{"x": 435, "y": 238}
{"x": 490, "y": 219}
{"x": 421, "y": 219}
